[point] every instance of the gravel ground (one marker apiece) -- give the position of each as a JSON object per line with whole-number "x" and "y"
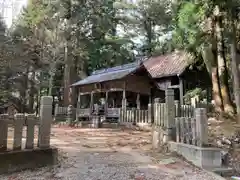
{"x": 109, "y": 155}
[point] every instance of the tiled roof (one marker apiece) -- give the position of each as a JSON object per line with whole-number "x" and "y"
{"x": 109, "y": 74}
{"x": 168, "y": 65}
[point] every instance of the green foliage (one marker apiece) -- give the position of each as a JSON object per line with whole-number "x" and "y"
{"x": 188, "y": 33}
{"x": 201, "y": 93}
{"x": 99, "y": 34}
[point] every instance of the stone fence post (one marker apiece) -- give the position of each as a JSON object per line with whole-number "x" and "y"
{"x": 56, "y": 109}
{"x": 3, "y": 131}
{"x": 178, "y": 108}
{"x": 19, "y": 120}
{"x": 150, "y": 120}
{"x": 45, "y": 121}
{"x": 156, "y": 112}
{"x": 169, "y": 114}
{"x": 70, "y": 115}
{"x": 201, "y": 126}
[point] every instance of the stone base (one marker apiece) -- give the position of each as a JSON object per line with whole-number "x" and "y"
{"x": 110, "y": 125}
{"x": 223, "y": 171}
{"x": 60, "y": 118}
{"x": 139, "y": 126}
{"x": 144, "y": 126}
{"x": 203, "y": 157}
{"x": 12, "y": 161}
{"x": 158, "y": 137}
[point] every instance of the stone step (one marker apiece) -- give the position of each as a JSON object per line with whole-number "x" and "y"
{"x": 223, "y": 171}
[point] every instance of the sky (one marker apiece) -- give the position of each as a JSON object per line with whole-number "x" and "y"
{"x": 10, "y": 9}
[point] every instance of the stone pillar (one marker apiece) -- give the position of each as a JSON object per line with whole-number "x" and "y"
{"x": 156, "y": 128}
{"x": 177, "y": 108}
{"x": 156, "y": 111}
{"x": 149, "y": 120}
{"x": 45, "y": 122}
{"x": 70, "y": 115}
{"x": 201, "y": 126}
{"x": 30, "y": 122}
{"x": 170, "y": 114}
{"x": 56, "y": 109}
{"x": 19, "y": 120}
{"x": 95, "y": 118}
{"x": 3, "y": 131}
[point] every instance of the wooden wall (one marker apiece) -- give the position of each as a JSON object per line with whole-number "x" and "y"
{"x": 133, "y": 83}
{"x": 138, "y": 84}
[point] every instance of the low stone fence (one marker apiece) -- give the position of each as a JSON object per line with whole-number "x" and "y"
{"x": 184, "y": 133}
{"x": 12, "y": 150}
{"x": 192, "y": 141}
{"x": 192, "y": 130}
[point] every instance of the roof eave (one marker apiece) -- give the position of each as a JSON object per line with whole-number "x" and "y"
{"x": 97, "y": 82}
{"x": 134, "y": 71}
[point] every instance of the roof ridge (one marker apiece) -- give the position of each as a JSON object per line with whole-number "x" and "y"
{"x": 116, "y": 68}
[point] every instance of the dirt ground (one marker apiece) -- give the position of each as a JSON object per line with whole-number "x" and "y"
{"x": 109, "y": 154}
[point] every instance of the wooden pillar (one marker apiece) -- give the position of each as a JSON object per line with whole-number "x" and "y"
{"x": 152, "y": 105}
{"x": 91, "y": 102}
{"x": 138, "y": 101}
{"x": 79, "y": 101}
{"x": 150, "y": 99}
{"x": 181, "y": 93}
{"x": 106, "y": 102}
{"x": 124, "y": 100}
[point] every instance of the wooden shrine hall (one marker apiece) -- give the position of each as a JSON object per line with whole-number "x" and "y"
{"x": 135, "y": 85}
{"x": 126, "y": 86}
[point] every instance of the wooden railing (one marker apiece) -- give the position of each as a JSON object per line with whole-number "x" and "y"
{"x": 83, "y": 112}
{"x": 134, "y": 116}
{"x": 61, "y": 110}
{"x": 159, "y": 114}
{"x": 113, "y": 112}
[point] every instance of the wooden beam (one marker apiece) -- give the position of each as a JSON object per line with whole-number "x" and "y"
{"x": 174, "y": 87}
{"x": 103, "y": 90}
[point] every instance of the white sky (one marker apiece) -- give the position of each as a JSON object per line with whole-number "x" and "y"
{"x": 10, "y": 9}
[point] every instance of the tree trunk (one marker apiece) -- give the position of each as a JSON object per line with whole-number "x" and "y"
{"x": 222, "y": 65}
{"x": 235, "y": 69}
{"x": 50, "y": 85}
{"x": 23, "y": 92}
{"x": 211, "y": 65}
{"x": 209, "y": 54}
{"x": 149, "y": 36}
{"x": 66, "y": 77}
{"x": 31, "y": 92}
